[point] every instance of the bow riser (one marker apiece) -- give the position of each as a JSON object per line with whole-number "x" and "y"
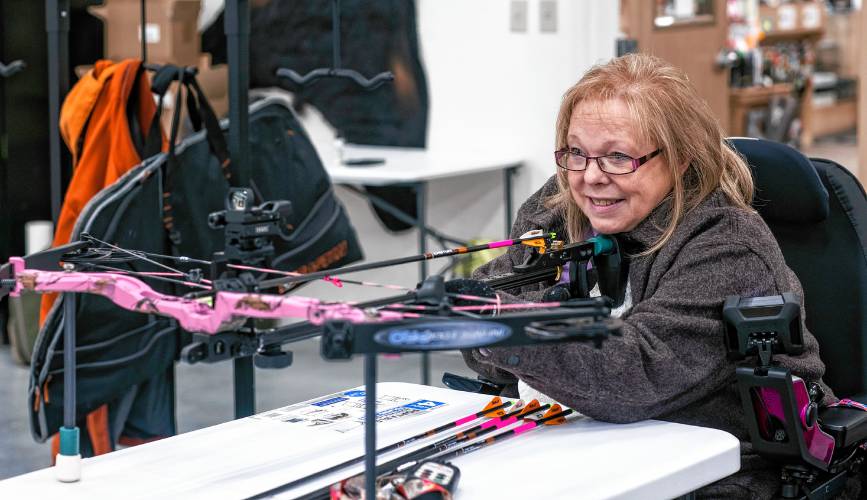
{"x": 195, "y": 315}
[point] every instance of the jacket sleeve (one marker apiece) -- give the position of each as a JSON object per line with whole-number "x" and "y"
{"x": 670, "y": 352}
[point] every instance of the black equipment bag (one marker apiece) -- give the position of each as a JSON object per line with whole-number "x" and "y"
{"x": 321, "y": 236}
{"x": 120, "y": 351}
{"x": 116, "y": 349}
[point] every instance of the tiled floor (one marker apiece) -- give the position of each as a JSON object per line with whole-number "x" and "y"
{"x": 840, "y": 148}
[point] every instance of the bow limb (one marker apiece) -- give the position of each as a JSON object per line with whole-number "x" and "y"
{"x": 195, "y": 315}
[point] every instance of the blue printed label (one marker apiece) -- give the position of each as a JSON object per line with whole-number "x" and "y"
{"x": 390, "y": 412}
{"x": 329, "y": 401}
{"x": 423, "y": 404}
{"x": 354, "y": 394}
{"x": 414, "y": 408}
{"x": 443, "y": 335}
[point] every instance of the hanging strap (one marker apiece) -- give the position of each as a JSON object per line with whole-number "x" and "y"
{"x": 201, "y": 116}
{"x": 171, "y": 164}
{"x": 198, "y": 109}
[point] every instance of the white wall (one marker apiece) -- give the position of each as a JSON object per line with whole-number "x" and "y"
{"x": 491, "y": 87}
{"x": 494, "y": 87}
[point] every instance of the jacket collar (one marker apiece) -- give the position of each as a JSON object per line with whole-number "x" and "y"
{"x": 648, "y": 231}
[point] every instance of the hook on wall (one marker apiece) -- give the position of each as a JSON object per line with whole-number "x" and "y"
{"x": 7, "y": 70}
{"x": 335, "y": 71}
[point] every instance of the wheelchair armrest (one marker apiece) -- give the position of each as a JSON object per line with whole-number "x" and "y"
{"x": 466, "y": 384}
{"x": 848, "y": 426}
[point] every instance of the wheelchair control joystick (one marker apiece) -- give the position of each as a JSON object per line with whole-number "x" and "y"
{"x": 783, "y": 412}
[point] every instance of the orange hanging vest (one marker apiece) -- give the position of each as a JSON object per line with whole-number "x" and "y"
{"x": 94, "y": 125}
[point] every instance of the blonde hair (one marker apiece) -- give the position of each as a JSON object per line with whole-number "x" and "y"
{"x": 666, "y": 111}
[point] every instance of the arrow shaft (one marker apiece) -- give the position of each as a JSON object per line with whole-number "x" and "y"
{"x": 286, "y": 280}
{"x": 391, "y": 447}
{"x": 454, "y": 440}
{"x": 391, "y": 464}
{"x": 525, "y": 427}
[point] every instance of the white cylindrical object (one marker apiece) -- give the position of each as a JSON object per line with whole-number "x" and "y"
{"x": 38, "y": 235}
{"x": 67, "y": 468}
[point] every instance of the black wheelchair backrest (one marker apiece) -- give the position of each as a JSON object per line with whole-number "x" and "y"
{"x": 817, "y": 210}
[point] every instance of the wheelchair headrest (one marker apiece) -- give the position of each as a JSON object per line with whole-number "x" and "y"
{"x": 788, "y": 189}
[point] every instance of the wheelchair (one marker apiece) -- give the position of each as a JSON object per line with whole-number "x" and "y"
{"x": 817, "y": 210}
{"x": 819, "y": 447}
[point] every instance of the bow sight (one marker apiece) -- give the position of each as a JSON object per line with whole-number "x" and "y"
{"x": 249, "y": 228}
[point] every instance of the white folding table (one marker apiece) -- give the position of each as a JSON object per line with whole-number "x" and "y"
{"x": 580, "y": 459}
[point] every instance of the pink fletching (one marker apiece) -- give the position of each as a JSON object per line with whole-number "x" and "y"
{"x": 524, "y": 428}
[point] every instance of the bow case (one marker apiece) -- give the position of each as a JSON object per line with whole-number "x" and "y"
{"x": 121, "y": 353}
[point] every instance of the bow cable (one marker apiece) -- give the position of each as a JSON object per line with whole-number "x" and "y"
{"x": 536, "y": 239}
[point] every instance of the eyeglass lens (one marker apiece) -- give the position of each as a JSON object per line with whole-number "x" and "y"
{"x": 613, "y": 164}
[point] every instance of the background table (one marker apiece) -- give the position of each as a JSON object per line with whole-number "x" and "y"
{"x": 581, "y": 459}
{"x": 414, "y": 167}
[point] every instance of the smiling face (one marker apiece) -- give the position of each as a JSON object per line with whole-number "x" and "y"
{"x": 614, "y": 203}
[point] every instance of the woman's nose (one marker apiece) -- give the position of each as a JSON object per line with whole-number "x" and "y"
{"x": 593, "y": 174}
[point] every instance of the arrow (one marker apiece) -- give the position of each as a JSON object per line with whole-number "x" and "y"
{"x": 461, "y": 437}
{"x": 495, "y": 408}
{"x": 555, "y": 416}
{"x": 538, "y": 240}
{"x": 438, "y": 447}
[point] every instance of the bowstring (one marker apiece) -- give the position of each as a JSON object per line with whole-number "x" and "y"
{"x": 484, "y": 308}
{"x": 152, "y": 276}
{"x": 140, "y": 256}
{"x": 330, "y": 279}
{"x": 494, "y": 303}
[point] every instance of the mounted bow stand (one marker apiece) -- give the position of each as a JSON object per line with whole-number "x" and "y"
{"x": 219, "y": 310}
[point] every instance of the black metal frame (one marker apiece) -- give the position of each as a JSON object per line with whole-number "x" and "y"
{"x": 342, "y": 339}
{"x": 237, "y": 25}
{"x": 57, "y": 16}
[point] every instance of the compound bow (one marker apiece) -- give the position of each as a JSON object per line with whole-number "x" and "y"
{"x": 427, "y": 318}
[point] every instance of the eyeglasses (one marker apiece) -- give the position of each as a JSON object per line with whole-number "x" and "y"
{"x": 615, "y": 164}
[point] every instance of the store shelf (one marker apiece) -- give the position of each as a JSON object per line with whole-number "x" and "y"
{"x": 742, "y": 100}
{"x": 833, "y": 119}
{"x": 757, "y": 94}
{"x": 793, "y": 35}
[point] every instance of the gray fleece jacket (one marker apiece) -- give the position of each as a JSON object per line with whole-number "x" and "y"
{"x": 670, "y": 362}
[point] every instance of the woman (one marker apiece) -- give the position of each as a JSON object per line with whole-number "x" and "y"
{"x": 640, "y": 156}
